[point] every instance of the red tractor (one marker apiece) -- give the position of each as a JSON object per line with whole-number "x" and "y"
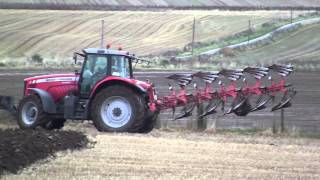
{"x": 104, "y": 92}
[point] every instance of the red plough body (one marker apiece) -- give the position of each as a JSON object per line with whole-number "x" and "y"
{"x": 240, "y": 96}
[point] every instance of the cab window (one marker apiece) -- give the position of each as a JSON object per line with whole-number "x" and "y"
{"x": 120, "y": 66}
{"x": 95, "y": 69}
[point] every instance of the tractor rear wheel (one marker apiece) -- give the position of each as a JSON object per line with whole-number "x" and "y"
{"x": 54, "y": 124}
{"x": 30, "y": 112}
{"x": 118, "y": 109}
{"x": 149, "y": 124}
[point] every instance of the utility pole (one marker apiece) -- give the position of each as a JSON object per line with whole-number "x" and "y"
{"x": 249, "y": 29}
{"x": 102, "y": 35}
{"x": 291, "y": 16}
{"x": 193, "y": 34}
{"x": 274, "y": 120}
{"x": 282, "y": 128}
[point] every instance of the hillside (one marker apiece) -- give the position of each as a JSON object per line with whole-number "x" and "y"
{"x": 89, "y": 4}
{"x": 56, "y": 34}
{"x": 300, "y": 47}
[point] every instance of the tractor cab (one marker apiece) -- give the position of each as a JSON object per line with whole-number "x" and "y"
{"x": 100, "y": 63}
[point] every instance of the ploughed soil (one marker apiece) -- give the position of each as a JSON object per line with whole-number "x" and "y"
{"x": 20, "y": 148}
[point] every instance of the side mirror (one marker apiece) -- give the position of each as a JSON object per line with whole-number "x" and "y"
{"x": 195, "y": 85}
{"x": 75, "y": 58}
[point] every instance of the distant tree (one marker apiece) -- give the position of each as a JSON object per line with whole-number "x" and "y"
{"x": 36, "y": 58}
{"x": 164, "y": 63}
{"x": 227, "y": 52}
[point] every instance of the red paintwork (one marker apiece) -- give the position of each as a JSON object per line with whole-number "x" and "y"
{"x": 207, "y": 94}
{"x": 51, "y": 76}
{"x": 231, "y": 91}
{"x": 59, "y": 85}
{"x": 57, "y": 89}
{"x": 255, "y": 89}
{"x": 175, "y": 99}
{"x": 140, "y": 84}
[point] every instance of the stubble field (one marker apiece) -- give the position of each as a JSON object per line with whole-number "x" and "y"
{"x": 170, "y": 3}
{"x": 162, "y": 155}
{"x": 57, "y": 34}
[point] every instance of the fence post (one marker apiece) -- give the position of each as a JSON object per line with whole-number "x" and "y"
{"x": 249, "y": 29}
{"x": 201, "y": 122}
{"x": 212, "y": 126}
{"x": 274, "y": 121}
{"x": 158, "y": 123}
{"x": 190, "y": 123}
{"x": 102, "y": 35}
{"x": 291, "y": 16}
{"x": 282, "y": 121}
{"x": 193, "y": 35}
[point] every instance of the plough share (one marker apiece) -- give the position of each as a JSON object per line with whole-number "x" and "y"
{"x": 232, "y": 88}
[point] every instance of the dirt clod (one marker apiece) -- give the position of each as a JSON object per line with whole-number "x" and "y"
{"x": 20, "y": 148}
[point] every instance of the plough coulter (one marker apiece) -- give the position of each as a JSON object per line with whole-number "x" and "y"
{"x": 230, "y": 87}
{"x": 106, "y": 92}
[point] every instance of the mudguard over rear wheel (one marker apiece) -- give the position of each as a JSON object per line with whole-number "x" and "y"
{"x": 118, "y": 109}
{"x": 30, "y": 112}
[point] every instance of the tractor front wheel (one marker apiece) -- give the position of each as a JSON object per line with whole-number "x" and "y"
{"x": 118, "y": 109}
{"x": 30, "y": 112}
{"x": 54, "y": 124}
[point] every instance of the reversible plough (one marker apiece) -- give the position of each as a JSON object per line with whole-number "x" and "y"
{"x": 232, "y": 90}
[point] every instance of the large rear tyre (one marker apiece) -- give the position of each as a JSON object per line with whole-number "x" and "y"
{"x": 149, "y": 124}
{"x": 54, "y": 124}
{"x": 118, "y": 109}
{"x": 30, "y": 112}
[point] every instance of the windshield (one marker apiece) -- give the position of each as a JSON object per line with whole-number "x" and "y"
{"x": 120, "y": 66}
{"x": 95, "y": 69}
{"x": 95, "y": 64}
